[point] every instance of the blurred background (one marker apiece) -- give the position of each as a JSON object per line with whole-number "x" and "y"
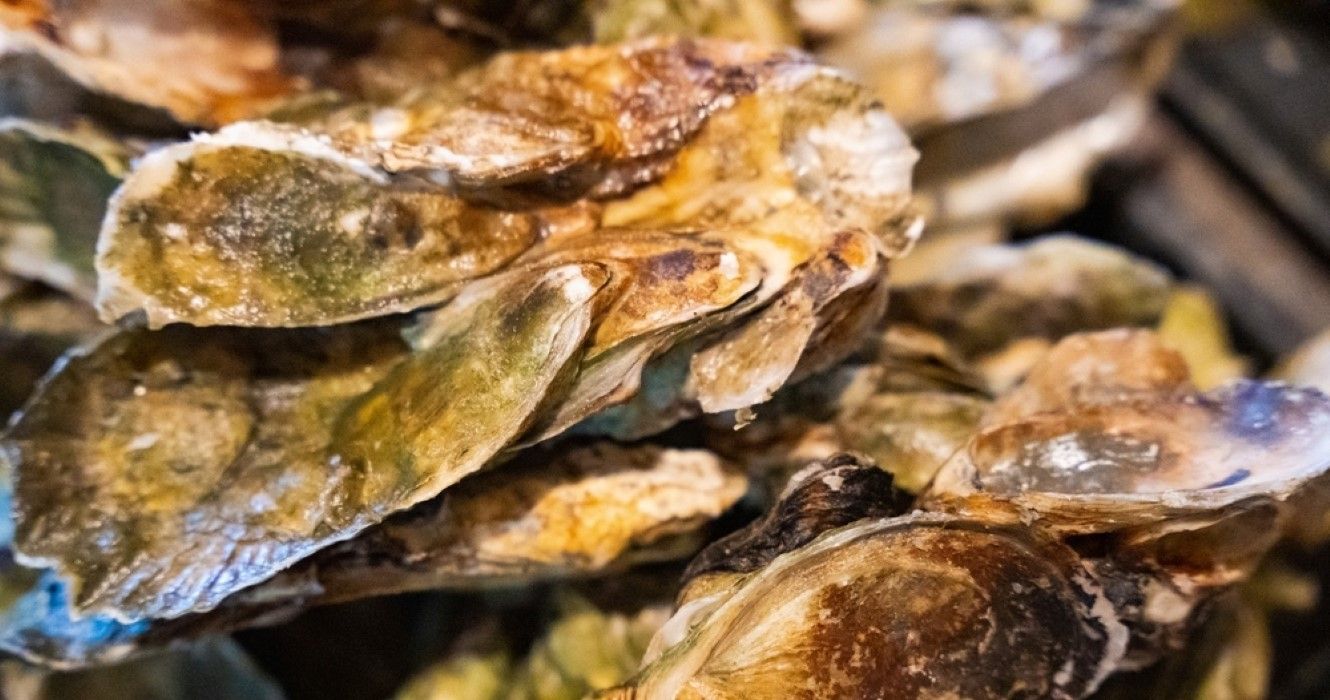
{"x": 1229, "y": 185}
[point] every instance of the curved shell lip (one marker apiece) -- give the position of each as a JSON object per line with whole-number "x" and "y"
{"x": 682, "y": 633}
{"x": 1112, "y": 509}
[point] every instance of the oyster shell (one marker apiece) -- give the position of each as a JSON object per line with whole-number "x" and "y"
{"x": 905, "y": 401}
{"x": 587, "y": 510}
{"x": 321, "y": 239}
{"x": 359, "y": 428}
{"x": 1155, "y": 497}
{"x": 827, "y": 160}
{"x": 1095, "y": 446}
{"x": 1013, "y": 105}
{"x": 205, "y": 62}
{"x": 892, "y": 607}
{"x": 545, "y": 516}
{"x": 250, "y": 452}
{"x": 1309, "y": 365}
{"x": 989, "y": 296}
{"x": 43, "y": 169}
{"x": 215, "y": 668}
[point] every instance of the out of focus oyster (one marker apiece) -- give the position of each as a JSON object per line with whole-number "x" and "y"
{"x": 53, "y": 187}
{"x": 1193, "y": 324}
{"x": 1228, "y": 658}
{"x": 1309, "y": 365}
{"x": 762, "y": 21}
{"x": 1011, "y": 106}
{"x": 204, "y": 61}
{"x": 890, "y": 607}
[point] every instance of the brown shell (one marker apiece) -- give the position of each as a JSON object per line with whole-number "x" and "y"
{"x": 923, "y": 605}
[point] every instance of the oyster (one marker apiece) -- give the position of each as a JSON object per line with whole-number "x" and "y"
{"x": 905, "y": 401}
{"x": 888, "y": 607}
{"x": 1141, "y": 499}
{"x": 204, "y": 62}
{"x": 989, "y": 296}
{"x": 584, "y": 649}
{"x": 1011, "y": 103}
{"x": 244, "y": 452}
{"x": 590, "y": 510}
{"x": 1309, "y": 365}
{"x": 1012, "y": 106}
{"x": 760, "y": 21}
{"x": 334, "y": 221}
{"x": 1229, "y": 657}
{"x": 283, "y": 443}
{"x": 43, "y": 170}
{"x": 587, "y": 510}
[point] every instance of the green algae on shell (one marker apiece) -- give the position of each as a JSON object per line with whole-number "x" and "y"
{"x": 1095, "y": 442}
{"x": 37, "y": 325}
{"x": 370, "y": 212}
{"x": 266, "y": 226}
{"x": 206, "y": 461}
{"x": 54, "y": 184}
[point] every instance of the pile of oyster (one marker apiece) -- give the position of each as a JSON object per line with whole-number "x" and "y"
{"x": 317, "y": 301}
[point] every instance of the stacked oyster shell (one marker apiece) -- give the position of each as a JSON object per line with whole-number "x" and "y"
{"x": 409, "y": 312}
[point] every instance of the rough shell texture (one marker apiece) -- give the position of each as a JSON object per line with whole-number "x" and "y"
{"x": 205, "y": 62}
{"x": 893, "y": 608}
{"x": 246, "y": 228}
{"x": 826, "y": 495}
{"x": 201, "y": 468}
{"x": 545, "y": 516}
{"x": 904, "y": 401}
{"x": 37, "y": 325}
